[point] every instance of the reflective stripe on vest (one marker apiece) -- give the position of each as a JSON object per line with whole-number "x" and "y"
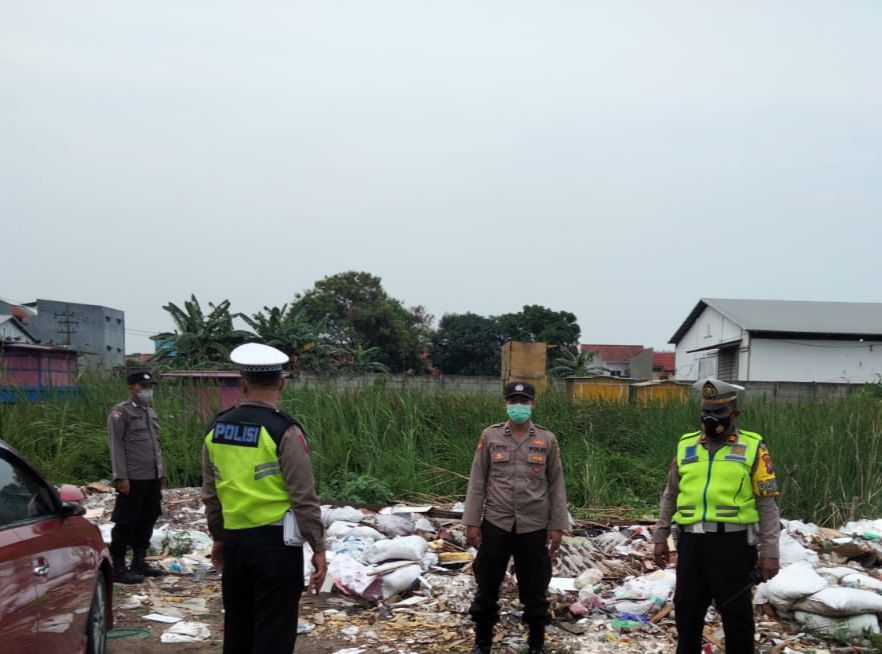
{"x": 717, "y": 487}
{"x": 248, "y": 476}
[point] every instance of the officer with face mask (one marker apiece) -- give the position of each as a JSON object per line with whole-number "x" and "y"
{"x": 516, "y": 506}
{"x": 138, "y": 476}
{"x": 723, "y": 496}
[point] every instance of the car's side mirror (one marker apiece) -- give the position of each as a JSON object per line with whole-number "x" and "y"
{"x": 71, "y": 493}
{"x": 71, "y": 509}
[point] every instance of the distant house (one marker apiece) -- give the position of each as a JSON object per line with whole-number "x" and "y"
{"x": 12, "y": 330}
{"x": 35, "y": 372}
{"x": 780, "y": 340}
{"x": 664, "y": 365}
{"x": 613, "y": 360}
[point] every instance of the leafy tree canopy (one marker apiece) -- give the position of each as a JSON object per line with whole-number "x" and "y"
{"x": 357, "y": 312}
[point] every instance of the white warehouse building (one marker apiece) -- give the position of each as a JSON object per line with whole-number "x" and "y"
{"x": 780, "y": 341}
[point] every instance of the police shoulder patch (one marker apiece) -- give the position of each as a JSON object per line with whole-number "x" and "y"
{"x": 235, "y": 433}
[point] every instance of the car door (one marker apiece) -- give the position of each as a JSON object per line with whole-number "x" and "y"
{"x": 17, "y": 598}
{"x": 62, "y": 563}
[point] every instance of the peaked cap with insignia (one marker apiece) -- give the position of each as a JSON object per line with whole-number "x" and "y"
{"x": 517, "y": 388}
{"x": 715, "y": 392}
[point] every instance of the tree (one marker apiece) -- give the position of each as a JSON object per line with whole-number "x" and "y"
{"x": 572, "y": 363}
{"x": 467, "y": 344}
{"x": 361, "y": 360}
{"x": 295, "y": 335}
{"x": 538, "y": 323}
{"x": 200, "y": 339}
{"x": 357, "y": 312}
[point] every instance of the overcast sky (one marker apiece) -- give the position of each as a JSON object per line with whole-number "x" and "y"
{"x": 615, "y": 159}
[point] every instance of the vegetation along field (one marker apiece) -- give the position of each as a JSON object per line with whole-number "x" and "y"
{"x": 374, "y": 445}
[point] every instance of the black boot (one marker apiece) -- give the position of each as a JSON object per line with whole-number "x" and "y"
{"x": 483, "y": 638}
{"x": 536, "y": 639}
{"x": 121, "y": 572}
{"x": 141, "y": 567}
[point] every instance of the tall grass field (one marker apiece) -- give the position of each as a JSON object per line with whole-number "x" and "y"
{"x": 376, "y": 445}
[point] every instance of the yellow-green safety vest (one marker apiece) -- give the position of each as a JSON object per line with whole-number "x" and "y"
{"x": 242, "y": 447}
{"x": 717, "y": 487}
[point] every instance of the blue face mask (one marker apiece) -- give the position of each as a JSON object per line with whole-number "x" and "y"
{"x": 519, "y": 413}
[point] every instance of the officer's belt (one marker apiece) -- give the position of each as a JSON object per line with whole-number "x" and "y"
{"x": 713, "y": 528}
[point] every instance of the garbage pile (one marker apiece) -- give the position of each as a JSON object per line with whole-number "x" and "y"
{"x": 400, "y": 580}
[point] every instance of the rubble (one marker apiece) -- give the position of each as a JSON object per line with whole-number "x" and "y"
{"x": 400, "y": 580}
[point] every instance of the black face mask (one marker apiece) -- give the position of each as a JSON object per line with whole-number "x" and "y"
{"x": 715, "y": 427}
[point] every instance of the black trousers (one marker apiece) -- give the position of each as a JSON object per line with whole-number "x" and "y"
{"x": 135, "y": 514}
{"x": 532, "y": 566}
{"x": 716, "y": 567}
{"x": 262, "y": 583}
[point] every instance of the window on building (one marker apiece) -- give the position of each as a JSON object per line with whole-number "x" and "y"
{"x": 109, "y": 349}
{"x": 119, "y": 321}
{"x": 107, "y": 318}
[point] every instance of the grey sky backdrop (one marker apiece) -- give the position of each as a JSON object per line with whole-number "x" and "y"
{"x": 616, "y": 159}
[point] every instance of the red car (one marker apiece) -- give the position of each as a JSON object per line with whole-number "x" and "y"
{"x": 55, "y": 574}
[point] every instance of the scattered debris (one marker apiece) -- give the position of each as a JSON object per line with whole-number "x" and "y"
{"x": 400, "y": 580}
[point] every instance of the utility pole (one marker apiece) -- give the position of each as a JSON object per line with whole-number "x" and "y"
{"x": 67, "y": 326}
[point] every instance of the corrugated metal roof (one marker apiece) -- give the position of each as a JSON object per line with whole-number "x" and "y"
{"x": 793, "y": 316}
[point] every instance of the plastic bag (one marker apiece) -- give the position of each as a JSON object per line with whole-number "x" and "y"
{"x": 353, "y": 577}
{"x": 861, "y": 580}
{"x": 403, "y": 548}
{"x": 591, "y": 577}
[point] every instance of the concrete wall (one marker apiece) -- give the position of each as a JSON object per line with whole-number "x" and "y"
{"x": 442, "y": 384}
{"x": 798, "y": 391}
{"x": 97, "y": 332}
{"x": 812, "y": 361}
{"x": 711, "y": 328}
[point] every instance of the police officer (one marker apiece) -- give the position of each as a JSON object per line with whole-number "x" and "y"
{"x": 516, "y": 506}
{"x": 256, "y": 469}
{"x": 722, "y": 495}
{"x": 138, "y": 475}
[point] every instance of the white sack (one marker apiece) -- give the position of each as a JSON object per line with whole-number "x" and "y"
{"x": 793, "y": 552}
{"x": 402, "y": 548}
{"x": 841, "y": 628}
{"x": 838, "y": 602}
{"x": 344, "y": 514}
{"x": 342, "y": 529}
{"x": 793, "y": 583}
{"x": 400, "y": 580}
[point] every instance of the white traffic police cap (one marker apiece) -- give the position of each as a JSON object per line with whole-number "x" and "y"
{"x": 257, "y": 357}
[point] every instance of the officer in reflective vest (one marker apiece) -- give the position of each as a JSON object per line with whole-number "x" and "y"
{"x": 261, "y": 505}
{"x": 723, "y": 496}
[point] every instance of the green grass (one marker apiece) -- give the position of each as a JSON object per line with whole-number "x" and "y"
{"x": 373, "y": 443}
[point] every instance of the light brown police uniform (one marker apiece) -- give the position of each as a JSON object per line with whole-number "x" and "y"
{"x": 133, "y": 437}
{"x": 517, "y": 483}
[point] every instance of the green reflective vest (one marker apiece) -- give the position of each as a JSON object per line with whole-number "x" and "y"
{"x": 242, "y": 446}
{"x": 717, "y": 487}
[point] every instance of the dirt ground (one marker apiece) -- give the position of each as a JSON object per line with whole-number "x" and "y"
{"x": 373, "y": 628}
{"x": 139, "y": 643}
